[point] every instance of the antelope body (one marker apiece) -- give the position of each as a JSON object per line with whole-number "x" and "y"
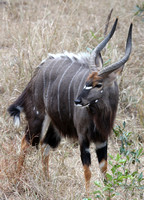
{"x": 73, "y": 96}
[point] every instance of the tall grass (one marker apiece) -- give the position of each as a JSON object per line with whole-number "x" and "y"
{"x": 29, "y": 31}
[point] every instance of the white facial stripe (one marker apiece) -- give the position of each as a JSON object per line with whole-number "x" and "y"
{"x": 87, "y": 87}
{"x": 96, "y": 100}
{"x": 100, "y": 145}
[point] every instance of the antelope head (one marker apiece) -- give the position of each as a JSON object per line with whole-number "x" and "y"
{"x": 101, "y": 80}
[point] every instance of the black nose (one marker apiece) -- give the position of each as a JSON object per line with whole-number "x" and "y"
{"x": 77, "y": 101}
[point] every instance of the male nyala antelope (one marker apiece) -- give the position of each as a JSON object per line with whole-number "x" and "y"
{"x": 71, "y": 95}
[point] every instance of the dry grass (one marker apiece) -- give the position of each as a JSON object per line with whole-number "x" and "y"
{"x": 31, "y": 29}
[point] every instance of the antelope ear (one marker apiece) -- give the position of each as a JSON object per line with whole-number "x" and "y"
{"x": 111, "y": 76}
{"x": 113, "y": 71}
{"x": 119, "y": 71}
{"x": 99, "y": 61}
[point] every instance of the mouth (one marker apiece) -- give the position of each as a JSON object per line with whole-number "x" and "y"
{"x": 79, "y": 103}
{"x": 87, "y": 105}
{"x": 82, "y": 106}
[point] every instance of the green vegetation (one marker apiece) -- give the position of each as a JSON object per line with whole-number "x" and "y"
{"x": 140, "y": 10}
{"x": 125, "y": 178}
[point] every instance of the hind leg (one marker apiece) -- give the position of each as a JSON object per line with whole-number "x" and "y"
{"x": 51, "y": 140}
{"x": 32, "y": 135}
{"x": 24, "y": 150}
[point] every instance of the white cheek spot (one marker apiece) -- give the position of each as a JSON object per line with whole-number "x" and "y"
{"x": 96, "y": 100}
{"x": 37, "y": 112}
{"x": 100, "y": 145}
{"x": 101, "y": 91}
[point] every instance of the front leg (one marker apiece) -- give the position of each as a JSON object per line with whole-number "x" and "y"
{"x": 101, "y": 151}
{"x": 86, "y": 161}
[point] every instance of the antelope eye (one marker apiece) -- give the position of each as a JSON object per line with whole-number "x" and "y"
{"x": 88, "y": 86}
{"x": 99, "y": 85}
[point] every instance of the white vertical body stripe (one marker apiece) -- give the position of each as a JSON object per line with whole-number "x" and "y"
{"x": 70, "y": 88}
{"x": 59, "y": 88}
{"x": 46, "y": 96}
{"x": 44, "y": 85}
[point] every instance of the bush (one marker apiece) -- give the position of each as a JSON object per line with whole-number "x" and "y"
{"x": 125, "y": 178}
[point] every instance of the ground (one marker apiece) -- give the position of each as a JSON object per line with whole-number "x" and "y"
{"x": 29, "y": 30}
